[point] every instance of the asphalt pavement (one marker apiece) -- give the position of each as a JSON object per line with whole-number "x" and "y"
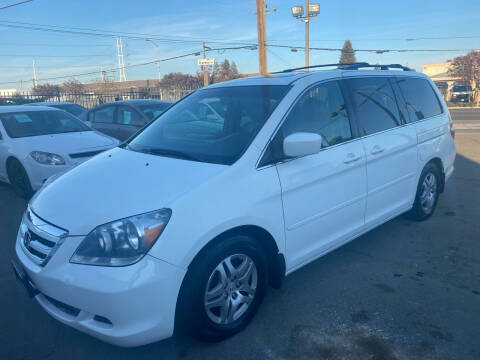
{"x": 405, "y": 290}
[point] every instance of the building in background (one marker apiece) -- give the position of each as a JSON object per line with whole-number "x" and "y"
{"x": 438, "y": 72}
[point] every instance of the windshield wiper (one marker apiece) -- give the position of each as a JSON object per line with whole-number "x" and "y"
{"x": 167, "y": 152}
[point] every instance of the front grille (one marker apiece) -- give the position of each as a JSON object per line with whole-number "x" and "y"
{"x": 39, "y": 239}
{"x": 85, "y": 154}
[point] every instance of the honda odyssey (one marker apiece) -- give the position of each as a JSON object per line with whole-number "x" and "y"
{"x": 186, "y": 224}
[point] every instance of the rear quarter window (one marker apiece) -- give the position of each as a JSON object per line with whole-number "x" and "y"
{"x": 420, "y": 98}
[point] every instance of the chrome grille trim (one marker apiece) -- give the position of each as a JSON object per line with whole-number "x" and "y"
{"x": 42, "y": 240}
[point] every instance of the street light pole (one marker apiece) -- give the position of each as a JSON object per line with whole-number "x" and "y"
{"x": 311, "y": 11}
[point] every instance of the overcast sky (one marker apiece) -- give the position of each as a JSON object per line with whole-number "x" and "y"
{"x": 371, "y": 24}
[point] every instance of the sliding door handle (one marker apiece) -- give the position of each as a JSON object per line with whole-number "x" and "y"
{"x": 377, "y": 149}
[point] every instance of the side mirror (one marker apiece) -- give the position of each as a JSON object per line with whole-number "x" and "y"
{"x": 302, "y": 144}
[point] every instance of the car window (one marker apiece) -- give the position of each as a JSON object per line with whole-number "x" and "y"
{"x": 420, "y": 98}
{"x": 190, "y": 129}
{"x": 35, "y": 123}
{"x": 374, "y": 104}
{"x": 128, "y": 116}
{"x": 104, "y": 115}
{"x": 153, "y": 110}
{"x": 322, "y": 111}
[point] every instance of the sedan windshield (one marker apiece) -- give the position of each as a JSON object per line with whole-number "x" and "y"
{"x": 152, "y": 111}
{"x": 195, "y": 129}
{"x": 35, "y": 123}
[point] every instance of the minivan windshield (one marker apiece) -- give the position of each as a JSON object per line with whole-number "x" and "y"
{"x": 35, "y": 123}
{"x": 213, "y": 125}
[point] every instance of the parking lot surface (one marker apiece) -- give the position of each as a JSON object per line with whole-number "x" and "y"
{"x": 405, "y": 290}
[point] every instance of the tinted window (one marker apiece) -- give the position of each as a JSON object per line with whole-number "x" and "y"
{"x": 374, "y": 104}
{"x": 322, "y": 111}
{"x": 35, "y": 123}
{"x": 420, "y": 99}
{"x": 188, "y": 129}
{"x": 461, "y": 88}
{"x": 152, "y": 111}
{"x": 104, "y": 115}
{"x": 128, "y": 116}
{"x": 71, "y": 108}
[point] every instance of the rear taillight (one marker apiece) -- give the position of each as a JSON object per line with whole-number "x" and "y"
{"x": 452, "y": 127}
{"x": 452, "y": 130}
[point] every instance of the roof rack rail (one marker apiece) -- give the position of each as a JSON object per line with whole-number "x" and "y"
{"x": 363, "y": 64}
{"x": 377, "y": 66}
{"x": 349, "y": 66}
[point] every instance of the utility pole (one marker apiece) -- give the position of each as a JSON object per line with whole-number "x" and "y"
{"x": 158, "y": 57}
{"x": 122, "y": 76}
{"x": 205, "y": 68}
{"x": 262, "y": 37}
{"x": 35, "y": 82}
{"x": 307, "y": 34}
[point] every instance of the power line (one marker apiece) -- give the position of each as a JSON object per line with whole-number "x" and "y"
{"x": 108, "y": 33}
{"x": 15, "y": 4}
{"x": 57, "y": 56}
{"x": 197, "y": 53}
{"x": 384, "y": 39}
{"x": 378, "y": 51}
{"x": 54, "y": 45}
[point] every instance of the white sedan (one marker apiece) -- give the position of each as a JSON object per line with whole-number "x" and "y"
{"x": 37, "y": 142}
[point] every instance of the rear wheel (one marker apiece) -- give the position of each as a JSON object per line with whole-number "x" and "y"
{"x": 223, "y": 289}
{"x": 19, "y": 180}
{"x": 428, "y": 190}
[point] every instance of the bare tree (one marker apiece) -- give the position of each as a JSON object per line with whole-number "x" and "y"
{"x": 46, "y": 89}
{"x": 73, "y": 87}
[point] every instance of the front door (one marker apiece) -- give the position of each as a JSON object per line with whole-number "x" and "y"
{"x": 323, "y": 194}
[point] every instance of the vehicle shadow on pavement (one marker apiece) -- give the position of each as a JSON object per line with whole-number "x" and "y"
{"x": 406, "y": 290}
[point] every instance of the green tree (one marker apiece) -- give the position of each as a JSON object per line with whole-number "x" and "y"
{"x": 348, "y": 54}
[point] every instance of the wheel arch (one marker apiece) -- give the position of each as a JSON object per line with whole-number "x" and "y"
{"x": 439, "y": 164}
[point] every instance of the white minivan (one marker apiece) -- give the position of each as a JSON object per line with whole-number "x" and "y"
{"x": 185, "y": 225}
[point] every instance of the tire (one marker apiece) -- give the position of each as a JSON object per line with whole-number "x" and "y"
{"x": 18, "y": 179}
{"x": 428, "y": 191}
{"x": 237, "y": 299}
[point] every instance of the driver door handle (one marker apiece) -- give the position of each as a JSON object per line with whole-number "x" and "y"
{"x": 377, "y": 149}
{"x": 351, "y": 157}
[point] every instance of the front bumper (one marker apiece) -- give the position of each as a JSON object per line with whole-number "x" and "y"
{"x": 126, "y": 306}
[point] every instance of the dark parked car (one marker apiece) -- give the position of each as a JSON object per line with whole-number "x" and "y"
{"x": 121, "y": 119}
{"x": 74, "y": 109}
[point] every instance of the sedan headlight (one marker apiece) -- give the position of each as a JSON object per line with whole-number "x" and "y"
{"x": 47, "y": 158}
{"x": 122, "y": 242}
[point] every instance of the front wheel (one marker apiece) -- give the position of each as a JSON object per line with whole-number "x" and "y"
{"x": 428, "y": 190}
{"x": 223, "y": 289}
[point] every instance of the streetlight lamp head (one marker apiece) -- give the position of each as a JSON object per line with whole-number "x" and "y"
{"x": 297, "y": 11}
{"x": 313, "y": 9}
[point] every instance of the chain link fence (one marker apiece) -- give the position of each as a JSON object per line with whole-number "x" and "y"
{"x": 90, "y": 99}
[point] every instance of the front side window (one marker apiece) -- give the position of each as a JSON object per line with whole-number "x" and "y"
{"x": 374, "y": 104}
{"x": 128, "y": 116}
{"x": 420, "y": 99}
{"x": 104, "y": 115}
{"x": 36, "y": 123}
{"x": 190, "y": 129}
{"x": 321, "y": 110}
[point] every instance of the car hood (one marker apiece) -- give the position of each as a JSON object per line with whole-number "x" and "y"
{"x": 67, "y": 143}
{"x": 116, "y": 184}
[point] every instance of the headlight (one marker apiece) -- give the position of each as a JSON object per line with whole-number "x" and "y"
{"x": 122, "y": 242}
{"x": 47, "y": 158}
